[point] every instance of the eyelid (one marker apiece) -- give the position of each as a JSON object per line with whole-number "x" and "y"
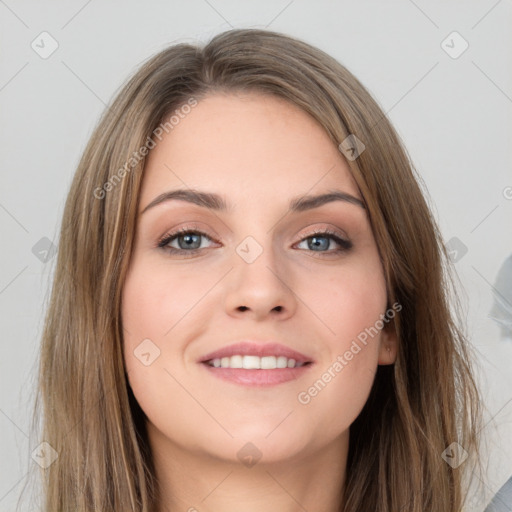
{"x": 333, "y": 234}
{"x": 327, "y": 232}
{"x": 173, "y": 233}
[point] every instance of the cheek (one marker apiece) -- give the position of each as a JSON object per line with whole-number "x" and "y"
{"x": 149, "y": 310}
{"x": 339, "y": 388}
{"x": 337, "y": 394}
{"x": 350, "y": 306}
{"x": 146, "y": 316}
{"x": 155, "y": 300}
{"x": 158, "y": 306}
{"x": 353, "y": 301}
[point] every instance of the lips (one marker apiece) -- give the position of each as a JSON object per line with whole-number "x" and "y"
{"x": 260, "y": 349}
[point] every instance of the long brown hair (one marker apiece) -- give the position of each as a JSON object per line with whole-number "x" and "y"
{"x": 417, "y": 407}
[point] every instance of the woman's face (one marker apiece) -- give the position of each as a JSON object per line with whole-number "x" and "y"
{"x": 252, "y": 272}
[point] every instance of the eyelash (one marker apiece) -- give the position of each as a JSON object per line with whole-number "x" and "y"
{"x": 345, "y": 245}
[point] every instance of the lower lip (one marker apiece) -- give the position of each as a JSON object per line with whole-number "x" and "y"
{"x": 258, "y": 378}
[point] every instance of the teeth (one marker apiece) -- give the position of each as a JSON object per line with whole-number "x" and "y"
{"x": 255, "y": 362}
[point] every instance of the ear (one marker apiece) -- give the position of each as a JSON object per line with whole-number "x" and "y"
{"x": 388, "y": 347}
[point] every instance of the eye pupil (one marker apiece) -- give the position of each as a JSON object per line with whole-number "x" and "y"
{"x": 316, "y": 244}
{"x": 189, "y": 238}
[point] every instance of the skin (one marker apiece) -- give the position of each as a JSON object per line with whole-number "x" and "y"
{"x": 258, "y": 152}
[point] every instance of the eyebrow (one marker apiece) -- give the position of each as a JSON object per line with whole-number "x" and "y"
{"x": 216, "y": 202}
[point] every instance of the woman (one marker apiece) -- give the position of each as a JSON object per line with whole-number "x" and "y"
{"x": 250, "y": 306}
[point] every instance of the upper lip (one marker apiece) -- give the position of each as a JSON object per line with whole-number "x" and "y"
{"x": 253, "y": 348}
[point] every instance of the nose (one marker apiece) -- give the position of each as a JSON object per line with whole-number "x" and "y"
{"x": 260, "y": 287}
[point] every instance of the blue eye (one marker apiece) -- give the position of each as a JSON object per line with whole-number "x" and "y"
{"x": 189, "y": 242}
{"x": 187, "y": 239}
{"x": 321, "y": 240}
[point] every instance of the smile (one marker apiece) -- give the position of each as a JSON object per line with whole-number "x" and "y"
{"x": 250, "y": 362}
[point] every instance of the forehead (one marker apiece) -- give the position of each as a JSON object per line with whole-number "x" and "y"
{"x": 251, "y": 146}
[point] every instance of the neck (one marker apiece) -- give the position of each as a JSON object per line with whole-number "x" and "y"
{"x": 198, "y": 482}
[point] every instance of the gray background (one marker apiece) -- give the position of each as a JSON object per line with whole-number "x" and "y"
{"x": 454, "y": 115}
